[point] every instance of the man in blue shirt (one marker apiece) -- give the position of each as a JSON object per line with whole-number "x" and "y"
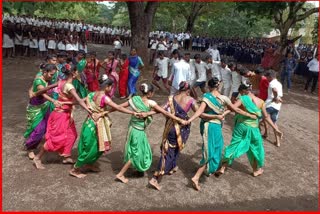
{"x": 289, "y": 66}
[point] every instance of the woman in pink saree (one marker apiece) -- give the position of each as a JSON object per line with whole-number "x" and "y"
{"x": 61, "y": 131}
{"x": 110, "y": 69}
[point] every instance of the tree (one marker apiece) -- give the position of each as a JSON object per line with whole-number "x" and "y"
{"x": 284, "y": 14}
{"x": 141, "y": 15}
{"x": 315, "y": 31}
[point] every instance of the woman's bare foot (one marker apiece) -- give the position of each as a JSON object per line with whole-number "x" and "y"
{"x": 277, "y": 143}
{"x": 195, "y": 184}
{"x": 153, "y": 182}
{"x": 122, "y": 178}
{"x": 38, "y": 164}
{"x": 258, "y": 172}
{"x": 68, "y": 161}
{"x": 92, "y": 168}
{"x": 175, "y": 169}
{"x": 31, "y": 155}
{"x": 220, "y": 171}
{"x": 77, "y": 173}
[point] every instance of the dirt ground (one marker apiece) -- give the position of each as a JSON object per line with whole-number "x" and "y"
{"x": 290, "y": 181}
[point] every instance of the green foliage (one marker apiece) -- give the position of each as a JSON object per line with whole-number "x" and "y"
{"x": 315, "y": 30}
{"x": 87, "y": 11}
{"x": 220, "y": 19}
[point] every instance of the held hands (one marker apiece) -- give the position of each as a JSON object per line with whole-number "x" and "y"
{"x": 95, "y": 116}
{"x": 253, "y": 116}
{"x": 220, "y": 117}
{"x": 138, "y": 115}
{"x": 57, "y": 103}
{"x": 184, "y": 122}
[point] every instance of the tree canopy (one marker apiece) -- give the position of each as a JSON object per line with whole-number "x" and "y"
{"x": 285, "y": 15}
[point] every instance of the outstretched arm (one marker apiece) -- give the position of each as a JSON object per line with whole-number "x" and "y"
{"x": 164, "y": 112}
{"x": 121, "y": 108}
{"x": 198, "y": 112}
{"x": 79, "y": 100}
{"x": 124, "y": 105}
{"x": 41, "y": 91}
{"x": 47, "y": 97}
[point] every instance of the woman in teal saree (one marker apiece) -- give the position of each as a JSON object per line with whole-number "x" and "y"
{"x": 215, "y": 104}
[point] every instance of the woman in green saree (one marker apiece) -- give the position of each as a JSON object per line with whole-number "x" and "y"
{"x": 215, "y": 104}
{"x": 38, "y": 109}
{"x": 95, "y": 136}
{"x": 246, "y": 136}
{"x": 137, "y": 149}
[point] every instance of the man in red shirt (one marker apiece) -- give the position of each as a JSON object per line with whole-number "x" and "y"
{"x": 262, "y": 93}
{"x": 263, "y": 83}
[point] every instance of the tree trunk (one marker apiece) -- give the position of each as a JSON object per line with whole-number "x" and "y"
{"x": 141, "y": 16}
{"x": 196, "y": 9}
{"x": 190, "y": 23}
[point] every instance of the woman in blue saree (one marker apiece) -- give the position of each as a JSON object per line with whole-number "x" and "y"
{"x": 135, "y": 65}
{"x": 174, "y": 135}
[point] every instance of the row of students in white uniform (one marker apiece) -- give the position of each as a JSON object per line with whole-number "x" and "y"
{"x": 198, "y": 72}
{"x": 183, "y": 38}
{"x": 29, "y": 40}
{"x": 72, "y": 25}
{"x": 103, "y": 34}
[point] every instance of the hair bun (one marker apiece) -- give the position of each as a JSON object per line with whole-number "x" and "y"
{"x": 42, "y": 66}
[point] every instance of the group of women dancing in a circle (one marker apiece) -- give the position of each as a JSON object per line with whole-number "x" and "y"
{"x": 56, "y": 90}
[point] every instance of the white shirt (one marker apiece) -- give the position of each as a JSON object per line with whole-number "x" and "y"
{"x": 154, "y": 44}
{"x": 215, "y": 69}
{"x": 71, "y": 27}
{"x": 173, "y": 60}
{"x": 226, "y": 76}
{"x": 202, "y": 68}
{"x": 162, "y": 47}
{"x": 103, "y": 30}
{"x": 313, "y": 65}
{"x": 171, "y": 63}
{"x": 66, "y": 25}
{"x": 277, "y": 85}
{"x": 78, "y": 27}
{"x": 162, "y": 65}
{"x": 181, "y": 72}
{"x": 192, "y": 70}
{"x": 60, "y": 24}
{"x": 174, "y": 46}
{"x": 236, "y": 81}
{"x": 215, "y": 54}
{"x": 117, "y": 44}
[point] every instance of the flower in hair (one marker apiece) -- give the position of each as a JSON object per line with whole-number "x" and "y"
{"x": 67, "y": 66}
{"x": 104, "y": 77}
